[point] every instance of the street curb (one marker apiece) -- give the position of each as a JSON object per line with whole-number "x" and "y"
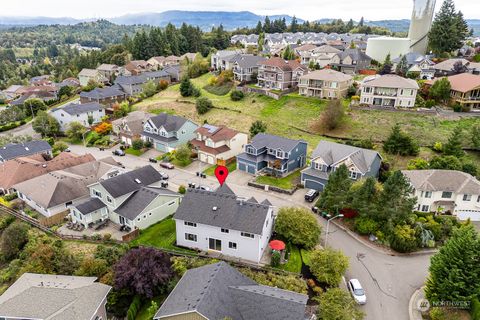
{"x": 379, "y": 250}
{"x": 411, "y": 302}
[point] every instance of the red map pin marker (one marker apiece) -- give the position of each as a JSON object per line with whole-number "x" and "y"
{"x": 221, "y": 172}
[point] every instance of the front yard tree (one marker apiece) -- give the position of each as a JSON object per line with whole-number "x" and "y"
{"x": 45, "y": 124}
{"x": 257, "y": 127}
{"x": 33, "y": 106}
{"x": 453, "y": 147}
{"x": 402, "y": 66}
{"x": 333, "y": 115}
{"x": 299, "y": 226}
{"x": 335, "y": 195}
{"x": 143, "y": 271}
{"x": 75, "y": 131}
{"x": 328, "y": 266}
{"x": 449, "y": 29}
{"x": 364, "y": 196}
{"x": 400, "y": 143}
{"x": 440, "y": 90}
{"x": 337, "y": 304}
{"x": 455, "y": 269}
{"x": 288, "y": 53}
{"x": 386, "y": 67}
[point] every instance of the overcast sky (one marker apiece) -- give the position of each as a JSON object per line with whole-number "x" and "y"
{"x": 305, "y": 9}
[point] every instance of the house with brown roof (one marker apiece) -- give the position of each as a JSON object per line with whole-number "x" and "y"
{"x": 322, "y": 55}
{"x": 25, "y": 168}
{"x": 389, "y": 91}
{"x": 279, "y": 74}
{"x": 136, "y": 67}
{"x": 87, "y": 75}
{"x": 465, "y": 90}
{"x": 218, "y": 144}
{"x": 157, "y": 62}
{"x": 325, "y": 84}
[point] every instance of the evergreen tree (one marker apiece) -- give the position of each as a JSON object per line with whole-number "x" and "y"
{"x": 453, "y": 147}
{"x": 259, "y": 28}
{"x": 186, "y": 87}
{"x": 294, "y": 25}
{"x": 402, "y": 66}
{"x": 335, "y": 195}
{"x": 400, "y": 143}
{"x": 361, "y": 23}
{"x": 349, "y": 25}
{"x": 386, "y": 67}
{"x": 288, "y": 53}
{"x": 440, "y": 90}
{"x": 267, "y": 26}
{"x": 455, "y": 269}
{"x": 449, "y": 29}
{"x": 364, "y": 197}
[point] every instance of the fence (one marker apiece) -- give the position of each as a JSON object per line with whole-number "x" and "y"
{"x": 131, "y": 235}
{"x": 53, "y": 220}
{"x": 25, "y": 218}
{"x": 273, "y": 188}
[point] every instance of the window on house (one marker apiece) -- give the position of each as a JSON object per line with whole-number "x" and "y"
{"x": 215, "y": 244}
{"x": 467, "y": 197}
{"x": 190, "y": 224}
{"x": 97, "y": 193}
{"x": 69, "y": 203}
{"x": 428, "y": 194}
{"x": 109, "y": 200}
{"x": 191, "y": 237}
{"x": 225, "y": 230}
{"x": 172, "y": 203}
{"x": 446, "y": 194}
{"x": 478, "y": 199}
{"x": 425, "y": 208}
{"x": 232, "y": 245}
{"x": 353, "y": 175}
{"x": 247, "y": 235}
{"x": 318, "y": 166}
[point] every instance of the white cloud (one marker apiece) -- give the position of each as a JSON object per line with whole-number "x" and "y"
{"x": 305, "y": 9}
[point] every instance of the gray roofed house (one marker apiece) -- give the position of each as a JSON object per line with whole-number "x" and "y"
{"x": 219, "y": 291}
{"x": 84, "y": 113}
{"x": 54, "y": 297}
{"x": 105, "y": 96}
{"x": 90, "y": 205}
{"x": 223, "y": 223}
{"x": 245, "y": 66}
{"x": 77, "y": 108}
{"x": 351, "y": 61}
{"x": 174, "y": 71}
{"x": 131, "y": 181}
{"x": 328, "y": 156}
{"x": 265, "y": 150}
{"x": 133, "y": 85}
{"x": 28, "y": 148}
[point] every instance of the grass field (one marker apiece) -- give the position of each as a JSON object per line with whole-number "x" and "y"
{"x": 292, "y": 116}
{"x": 210, "y": 171}
{"x": 294, "y": 263}
{"x": 287, "y": 182}
{"x": 134, "y": 152}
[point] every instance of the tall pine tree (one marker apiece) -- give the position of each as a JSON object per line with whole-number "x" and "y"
{"x": 335, "y": 195}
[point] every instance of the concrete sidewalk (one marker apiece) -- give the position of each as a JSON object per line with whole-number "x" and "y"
{"x": 418, "y": 304}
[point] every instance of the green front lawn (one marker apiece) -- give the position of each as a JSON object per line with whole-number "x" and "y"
{"x": 210, "y": 171}
{"x": 160, "y": 235}
{"x": 287, "y": 182}
{"x": 181, "y": 164}
{"x": 143, "y": 312}
{"x": 134, "y": 152}
{"x": 294, "y": 263}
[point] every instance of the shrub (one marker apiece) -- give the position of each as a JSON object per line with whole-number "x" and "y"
{"x": 13, "y": 239}
{"x": 337, "y": 304}
{"x": 275, "y": 262}
{"x": 236, "y": 95}
{"x": 10, "y": 197}
{"x": 203, "y": 105}
{"x": 107, "y": 237}
{"x": 328, "y": 266}
{"x": 475, "y": 309}
{"x": 298, "y": 225}
{"x": 400, "y": 143}
{"x": 137, "y": 144}
{"x": 403, "y": 239}
{"x": 96, "y": 237}
{"x": 182, "y": 189}
{"x": 162, "y": 85}
{"x": 134, "y": 308}
{"x": 437, "y": 313}
{"x": 103, "y": 128}
{"x": 438, "y": 146}
{"x": 365, "y": 225}
{"x": 257, "y": 127}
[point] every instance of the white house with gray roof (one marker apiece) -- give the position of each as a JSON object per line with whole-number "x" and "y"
{"x": 134, "y": 199}
{"x": 450, "y": 191}
{"x": 24, "y": 149}
{"x": 221, "y": 223}
{"x": 389, "y": 90}
{"x": 76, "y": 112}
{"x": 219, "y": 291}
{"x": 166, "y": 132}
{"x": 54, "y": 297}
{"x": 328, "y": 156}
{"x": 245, "y": 67}
{"x": 224, "y": 59}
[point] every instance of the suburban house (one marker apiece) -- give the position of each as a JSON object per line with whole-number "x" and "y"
{"x": 133, "y": 85}
{"x": 24, "y": 149}
{"x": 56, "y": 191}
{"x": 12, "y": 92}
{"x": 279, "y": 74}
{"x": 130, "y": 127}
{"x": 465, "y": 90}
{"x": 86, "y": 113}
{"x": 389, "y": 90}
{"x": 172, "y": 60}
{"x": 136, "y": 67}
{"x": 272, "y": 154}
{"x": 220, "y": 222}
{"x": 322, "y": 55}
{"x": 328, "y": 156}
{"x": 218, "y": 144}
{"x": 106, "y": 96}
{"x": 246, "y": 67}
{"x": 418, "y": 63}
{"x": 450, "y": 67}
{"x": 45, "y": 96}
{"x": 351, "y": 61}
{"x": 47, "y": 296}
{"x": 87, "y": 75}
{"x": 134, "y": 199}
{"x": 308, "y": 47}
{"x": 325, "y": 84}
{"x": 25, "y": 168}
{"x": 219, "y": 291}
{"x": 109, "y": 71}
{"x": 190, "y": 56}
{"x": 175, "y": 72}
{"x": 166, "y": 132}
{"x": 447, "y": 191}
{"x": 222, "y": 59}
{"x": 157, "y": 62}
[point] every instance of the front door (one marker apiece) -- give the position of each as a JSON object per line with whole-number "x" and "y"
{"x": 122, "y": 220}
{"x": 215, "y": 244}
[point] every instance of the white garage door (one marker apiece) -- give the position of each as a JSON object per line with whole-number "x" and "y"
{"x": 472, "y": 215}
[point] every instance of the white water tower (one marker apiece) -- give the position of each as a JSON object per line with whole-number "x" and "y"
{"x": 420, "y": 24}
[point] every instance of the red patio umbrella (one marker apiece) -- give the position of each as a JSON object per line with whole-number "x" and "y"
{"x": 277, "y": 245}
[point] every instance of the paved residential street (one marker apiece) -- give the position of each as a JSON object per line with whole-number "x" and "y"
{"x": 389, "y": 280}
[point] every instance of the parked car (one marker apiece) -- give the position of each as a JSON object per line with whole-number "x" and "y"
{"x": 67, "y": 150}
{"x": 164, "y": 184}
{"x": 204, "y": 188}
{"x": 311, "y": 195}
{"x": 357, "y": 291}
{"x": 164, "y": 175}
{"x": 167, "y": 165}
{"x": 192, "y": 185}
{"x": 118, "y": 152}
{"x": 153, "y": 160}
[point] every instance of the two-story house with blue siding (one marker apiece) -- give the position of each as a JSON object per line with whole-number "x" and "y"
{"x": 272, "y": 154}
{"x": 328, "y": 156}
{"x": 166, "y": 132}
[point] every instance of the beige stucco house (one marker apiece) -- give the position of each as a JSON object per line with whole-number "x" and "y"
{"x": 389, "y": 91}
{"x": 325, "y": 84}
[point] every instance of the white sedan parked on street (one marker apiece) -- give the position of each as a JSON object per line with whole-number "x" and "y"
{"x": 357, "y": 291}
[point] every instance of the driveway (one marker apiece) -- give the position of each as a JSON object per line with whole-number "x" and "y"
{"x": 389, "y": 280}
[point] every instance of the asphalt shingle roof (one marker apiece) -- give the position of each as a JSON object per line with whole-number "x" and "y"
{"x": 443, "y": 180}
{"x": 219, "y": 291}
{"x": 131, "y": 181}
{"x": 102, "y": 93}
{"x": 168, "y": 122}
{"x": 222, "y": 209}
{"x": 90, "y": 205}
{"x": 15, "y": 150}
{"x": 77, "y": 108}
{"x": 262, "y": 140}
